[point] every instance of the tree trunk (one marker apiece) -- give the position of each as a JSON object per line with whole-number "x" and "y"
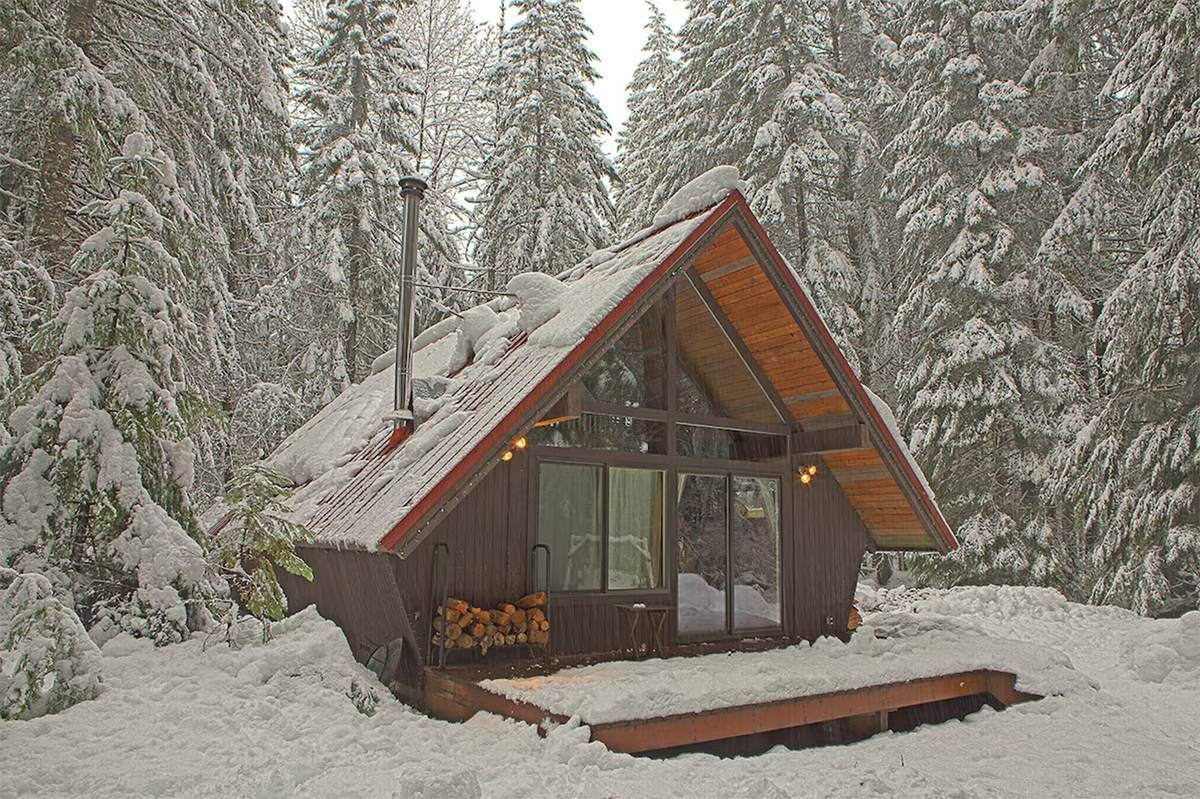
{"x": 57, "y": 163}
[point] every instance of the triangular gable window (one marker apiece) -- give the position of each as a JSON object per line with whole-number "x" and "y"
{"x": 714, "y": 379}
{"x": 632, "y": 373}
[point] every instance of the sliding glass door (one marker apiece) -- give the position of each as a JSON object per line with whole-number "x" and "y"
{"x": 728, "y": 536}
{"x": 703, "y": 553}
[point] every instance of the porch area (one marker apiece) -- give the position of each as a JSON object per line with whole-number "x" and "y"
{"x": 741, "y": 702}
{"x": 456, "y": 694}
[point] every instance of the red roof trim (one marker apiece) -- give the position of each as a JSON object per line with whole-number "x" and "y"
{"x": 845, "y": 367}
{"x": 501, "y": 432}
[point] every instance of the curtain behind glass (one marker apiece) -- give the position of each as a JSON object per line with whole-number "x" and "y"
{"x": 635, "y": 528}
{"x": 569, "y": 523}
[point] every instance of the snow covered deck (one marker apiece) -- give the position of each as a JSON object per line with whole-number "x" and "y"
{"x": 451, "y": 695}
{"x": 658, "y": 704}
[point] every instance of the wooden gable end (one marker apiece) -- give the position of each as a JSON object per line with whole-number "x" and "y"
{"x": 780, "y": 329}
{"x": 781, "y": 332}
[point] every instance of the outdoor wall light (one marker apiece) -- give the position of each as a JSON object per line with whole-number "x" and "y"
{"x": 807, "y": 473}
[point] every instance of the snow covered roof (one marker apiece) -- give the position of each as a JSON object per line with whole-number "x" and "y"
{"x": 484, "y": 377}
{"x": 473, "y": 374}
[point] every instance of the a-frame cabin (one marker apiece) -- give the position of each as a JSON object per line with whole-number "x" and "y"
{"x": 670, "y": 423}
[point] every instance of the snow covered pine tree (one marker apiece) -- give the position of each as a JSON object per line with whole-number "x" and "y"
{"x": 95, "y": 479}
{"x": 355, "y": 122}
{"x": 984, "y": 388}
{"x": 1133, "y": 471}
{"x": 546, "y": 205}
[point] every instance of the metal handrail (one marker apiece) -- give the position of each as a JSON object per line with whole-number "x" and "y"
{"x": 545, "y": 582}
{"x": 435, "y": 582}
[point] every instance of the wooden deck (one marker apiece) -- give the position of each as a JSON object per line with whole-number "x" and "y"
{"x": 454, "y": 695}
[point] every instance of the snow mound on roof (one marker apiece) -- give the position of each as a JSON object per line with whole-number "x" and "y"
{"x": 703, "y": 192}
{"x": 347, "y": 425}
{"x": 470, "y": 373}
{"x": 539, "y": 296}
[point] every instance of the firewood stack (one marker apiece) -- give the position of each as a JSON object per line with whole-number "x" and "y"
{"x": 855, "y": 617}
{"x": 464, "y": 626}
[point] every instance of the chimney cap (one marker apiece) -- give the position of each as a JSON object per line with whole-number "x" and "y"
{"x": 413, "y": 183}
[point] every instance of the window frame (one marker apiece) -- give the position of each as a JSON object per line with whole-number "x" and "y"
{"x": 731, "y": 473}
{"x": 673, "y": 464}
{"x": 605, "y": 466}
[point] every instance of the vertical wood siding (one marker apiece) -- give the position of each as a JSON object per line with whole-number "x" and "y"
{"x": 827, "y": 544}
{"x": 355, "y": 590}
{"x": 377, "y": 597}
{"x": 486, "y": 558}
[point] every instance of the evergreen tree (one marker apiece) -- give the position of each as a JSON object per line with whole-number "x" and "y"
{"x": 1132, "y": 472}
{"x": 256, "y": 538}
{"x": 755, "y": 90}
{"x": 47, "y": 660}
{"x": 547, "y": 205}
{"x": 205, "y": 82}
{"x": 648, "y": 106}
{"x": 862, "y": 51}
{"x": 985, "y": 385}
{"x": 355, "y": 129}
{"x": 96, "y": 477}
{"x": 26, "y": 293}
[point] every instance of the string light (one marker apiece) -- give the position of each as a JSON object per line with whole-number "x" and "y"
{"x": 520, "y": 444}
{"x": 507, "y": 456}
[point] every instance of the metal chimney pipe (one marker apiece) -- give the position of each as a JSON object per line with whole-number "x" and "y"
{"x": 412, "y": 188}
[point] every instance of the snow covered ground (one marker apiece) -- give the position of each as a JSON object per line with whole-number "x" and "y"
{"x": 277, "y": 720}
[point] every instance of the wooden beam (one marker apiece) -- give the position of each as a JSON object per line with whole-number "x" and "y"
{"x": 458, "y": 698}
{"x": 812, "y": 396}
{"x": 729, "y": 269}
{"x": 569, "y": 406}
{"x": 815, "y": 423}
{"x": 735, "y": 339}
{"x": 849, "y": 438}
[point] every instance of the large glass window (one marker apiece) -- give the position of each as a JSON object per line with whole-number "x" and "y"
{"x": 621, "y": 549}
{"x": 569, "y": 523}
{"x": 596, "y": 431}
{"x": 703, "y": 566}
{"x": 635, "y": 528}
{"x": 755, "y": 539}
{"x": 728, "y": 535}
{"x": 632, "y": 372}
{"x": 696, "y": 441}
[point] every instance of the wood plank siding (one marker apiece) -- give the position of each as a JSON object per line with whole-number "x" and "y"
{"x": 770, "y": 331}
{"x": 378, "y": 597}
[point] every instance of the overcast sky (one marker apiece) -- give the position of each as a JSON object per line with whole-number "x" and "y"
{"x": 618, "y": 33}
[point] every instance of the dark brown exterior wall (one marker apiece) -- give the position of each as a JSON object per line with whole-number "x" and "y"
{"x": 488, "y": 538}
{"x": 827, "y": 544}
{"x": 355, "y": 590}
{"x": 485, "y": 559}
{"x": 378, "y": 597}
